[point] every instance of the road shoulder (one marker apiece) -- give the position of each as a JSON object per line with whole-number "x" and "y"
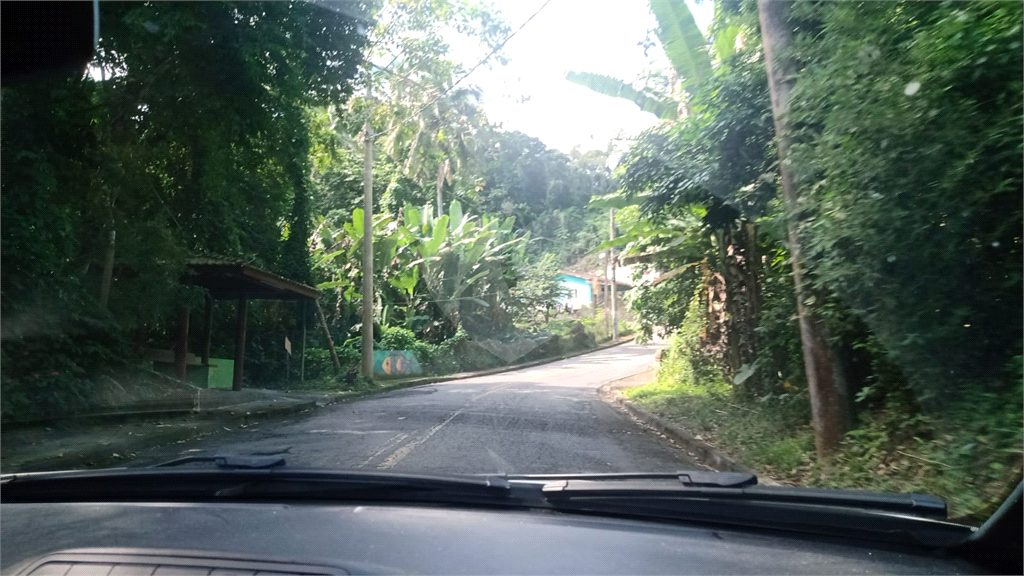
{"x": 701, "y": 452}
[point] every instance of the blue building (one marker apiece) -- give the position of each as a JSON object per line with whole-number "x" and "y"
{"x": 581, "y": 287}
{"x": 580, "y": 292}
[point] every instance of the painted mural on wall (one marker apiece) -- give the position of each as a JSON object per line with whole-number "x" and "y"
{"x": 396, "y": 363}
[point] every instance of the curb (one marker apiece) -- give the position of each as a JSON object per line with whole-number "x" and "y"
{"x": 704, "y": 453}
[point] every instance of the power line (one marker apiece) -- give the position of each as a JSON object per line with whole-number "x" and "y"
{"x": 387, "y": 69}
{"x": 485, "y": 58}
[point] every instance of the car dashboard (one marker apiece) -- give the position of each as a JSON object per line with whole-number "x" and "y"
{"x": 157, "y": 538}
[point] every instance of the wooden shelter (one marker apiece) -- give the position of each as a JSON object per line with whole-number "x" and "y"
{"x": 226, "y": 279}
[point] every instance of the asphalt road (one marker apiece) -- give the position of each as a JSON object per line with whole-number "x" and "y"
{"x": 545, "y": 419}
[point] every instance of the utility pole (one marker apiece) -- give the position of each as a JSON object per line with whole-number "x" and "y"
{"x": 367, "y": 328}
{"x": 611, "y": 262}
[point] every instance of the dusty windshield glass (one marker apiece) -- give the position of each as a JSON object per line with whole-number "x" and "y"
{"x": 457, "y": 236}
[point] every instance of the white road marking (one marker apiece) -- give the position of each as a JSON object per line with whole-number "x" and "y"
{"x": 387, "y": 445}
{"x": 360, "y": 432}
{"x": 404, "y": 450}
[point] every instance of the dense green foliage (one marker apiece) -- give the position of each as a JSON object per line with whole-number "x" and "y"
{"x": 910, "y": 155}
{"x": 907, "y": 162}
{"x": 237, "y": 130}
{"x": 186, "y": 137}
{"x": 233, "y": 130}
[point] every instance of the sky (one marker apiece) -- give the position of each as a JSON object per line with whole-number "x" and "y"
{"x": 531, "y": 94}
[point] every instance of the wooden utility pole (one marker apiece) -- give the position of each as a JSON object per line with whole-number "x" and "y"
{"x": 302, "y": 346}
{"x": 827, "y": 408}
{"x": 367, "y": 328}
{"x": 611, "y": 262}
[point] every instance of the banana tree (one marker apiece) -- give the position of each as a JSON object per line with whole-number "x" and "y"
{"x": 427, "y": 268}
{"x": 686, "y": 49}
{"x": 466, "y": 261}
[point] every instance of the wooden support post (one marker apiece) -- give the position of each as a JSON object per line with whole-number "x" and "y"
{"x": 302, "y": 346}
{"x": 330, "y": 341}
{"x": 240, "y": 320}
{"x": 181, "y": 345}
{"x": 207, "y": 330}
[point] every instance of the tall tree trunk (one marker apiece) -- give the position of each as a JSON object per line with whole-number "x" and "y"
{"x": 826, "y": 403}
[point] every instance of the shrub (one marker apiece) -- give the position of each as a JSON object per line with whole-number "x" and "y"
{"x": 320, "y": 365}
{"x": 394, "y": 338}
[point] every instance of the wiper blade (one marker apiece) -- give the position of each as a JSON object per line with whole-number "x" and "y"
{"x": 692, "y": 478}
{"x": 727, "y": 486}
{"x": 735, "y": 499}
{"x": 246, "y": 484}
{"x": 230, "y": 462}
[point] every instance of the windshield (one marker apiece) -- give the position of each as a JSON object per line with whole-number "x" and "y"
{"x": 555, "y": 236}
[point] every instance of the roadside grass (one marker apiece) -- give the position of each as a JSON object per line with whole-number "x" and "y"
{"x": 969, "y": 455}
{"x": 767, "y": 437}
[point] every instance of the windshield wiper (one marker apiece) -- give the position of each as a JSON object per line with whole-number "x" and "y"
{"x": 736, "y": 499}
{"x": 728, "y": 486}
{"x": 693, "y": 478}
{"x": 716, "y": 498}
{"x": 249, "y": 479}
{"x": 229, "y": 462}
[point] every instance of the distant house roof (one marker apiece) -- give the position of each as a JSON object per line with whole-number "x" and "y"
{"x": 594, "y": 277}
{"x": 229, "y": 279}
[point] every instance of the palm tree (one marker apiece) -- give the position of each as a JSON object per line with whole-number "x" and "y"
{"x": 433, "y": 126}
